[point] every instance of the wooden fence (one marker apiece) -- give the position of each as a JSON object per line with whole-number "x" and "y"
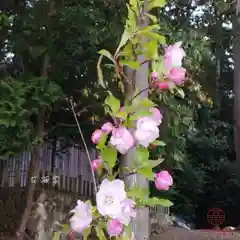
{"x": 67, "y": 175}
{"x": 68, "y": 172}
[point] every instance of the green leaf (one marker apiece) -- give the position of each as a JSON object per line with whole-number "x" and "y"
{"x": 151, "y": 28}
{"x": 113, "y": 103}
{"x": 86, "y": 233}
{"x": 109, "y": 155}
{"x": 159, "y": 143}
{"x": 56, "y": 236}
{"x": 142, "y": 154}
{"x": 107, "y": 54}
{"x": 100, "y": 73}
{"x": 134, "y": 4}
{"x": 157, "y": 66}
{"x": 128, "y": 30}
{"x": 127, "y": 51}
{"x": 147, "y": 103}
{"x": 152, "y": 35}
{"x": 132, "y": 64}
{"x": 130, "y": 26}
{"x": 155, "y": 3}
{"x": 102, "y": 141}
{"x": 136, "y": 192}
{"x": 151, "y": 49}
{"x": 122, "y": 114}
{"x": 180, "y": 92}
{"x": 100, "y": 233}
{"x": 147, "y": 172}
{"x": 157, "y": 201}
{"x": 124, "y": 39}
{"x": 138, "y": 114}
{"x": 154, "y": 163}
{"x": 65, "y": 228}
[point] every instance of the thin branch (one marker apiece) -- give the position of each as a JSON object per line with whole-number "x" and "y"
{"x": 144, "y": 62}
{"x": 145, "y": 89}
{"x": 84, "y": 143}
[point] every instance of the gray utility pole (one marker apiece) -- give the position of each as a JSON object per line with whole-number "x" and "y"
{"x": 139, "y": 81}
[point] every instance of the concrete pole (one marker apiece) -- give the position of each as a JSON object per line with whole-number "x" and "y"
{"x": 139, "y": 81}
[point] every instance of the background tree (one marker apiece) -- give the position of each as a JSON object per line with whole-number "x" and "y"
{"x": 54, "y": 47}
{"x": 54, "y": 57}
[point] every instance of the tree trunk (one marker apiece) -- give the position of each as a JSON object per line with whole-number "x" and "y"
{"x": 34, "y": 163}
{"x": 236, "y": 53}
{"x": 138, "y": 80}
{"x": 32, "y": 172}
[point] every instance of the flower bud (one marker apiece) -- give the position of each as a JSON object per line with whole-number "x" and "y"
{"x": 107, "y": 127}
{"x": 163, "y": 180}
{"x": 96, "y": 136}
{"x": 96, "y": 163}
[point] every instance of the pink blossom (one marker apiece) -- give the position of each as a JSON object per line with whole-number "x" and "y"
{"x": 157, "y": 115}
{"x": 128, "y": 211}
{"x": 147, "y": 131}
{"x": 163, "y": 180}
{"x": 96, "y": 136}
{"x": 82, "y": 217}
{"x": 177, "y": 75}
{"x": 110, "y": 196}
{"x": 107, "y": 127}
{"x": 96, "y": 163}
{"x": 122, "y": 139}
{"x": 163, "y": 85}
{"x": 114, "y": 227}
{"x": 173, "y": 56}
{"x": 154, "y": 76}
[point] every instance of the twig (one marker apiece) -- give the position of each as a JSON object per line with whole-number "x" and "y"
{"x": 84, "y": 143}
{"x": 144, "y": 62}
{"x": 145, "y": 89}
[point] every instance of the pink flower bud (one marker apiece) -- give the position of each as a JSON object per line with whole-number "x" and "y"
{"x": 107, "y": 127}
{"x": 163, "y": 85}
{"x": 114, "y": 227}
{"x": 177, "y": 75}
{"x": 96, "y": 136}
{"x": 154, "y": 75}
{"x": 163, "y": 180}
{"x": 96, "y": 163}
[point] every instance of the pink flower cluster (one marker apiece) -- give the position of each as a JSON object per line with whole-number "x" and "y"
{"x": 111, "y": 199}
{"x": 147, "y": 131}
{"x": 173, "y": 69}
{"x": 112, "y": 202}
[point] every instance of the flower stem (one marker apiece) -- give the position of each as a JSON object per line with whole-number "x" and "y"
{"x": 139, "y": 93}
{"x": 85, "y": 145}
